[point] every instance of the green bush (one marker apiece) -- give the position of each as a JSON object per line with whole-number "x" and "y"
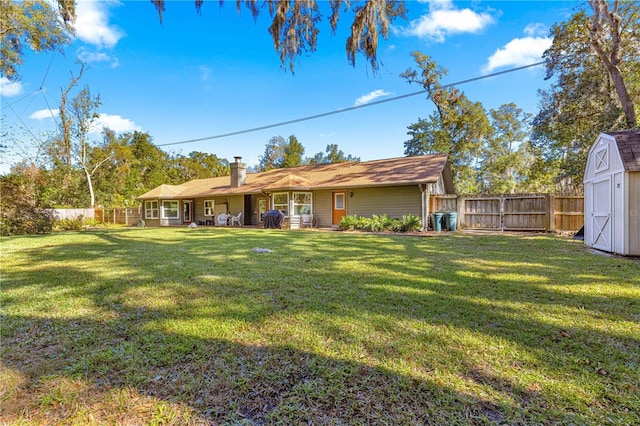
{"x": 69, "y": 224}
{"x": 26, "y": 221}
{"x": 348, "y": 223}
{"x": 378, "y": 223}
{"x": 20, "y": 212}
{"x": 408, "y": 223}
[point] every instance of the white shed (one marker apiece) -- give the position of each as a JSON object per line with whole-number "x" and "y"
{"x": 612, "y": 193}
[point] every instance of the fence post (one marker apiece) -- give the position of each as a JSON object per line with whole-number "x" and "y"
{"x": 501, "y": 212}
{"x": 550, "y": 212}
{"x": 126, "y": 216}
{"x": 460, "y": 209}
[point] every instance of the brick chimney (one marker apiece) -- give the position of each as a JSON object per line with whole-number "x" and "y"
{"x": 238, "y": 173}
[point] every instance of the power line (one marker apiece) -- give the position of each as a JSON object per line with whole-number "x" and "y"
{"x": 342, "y": 110}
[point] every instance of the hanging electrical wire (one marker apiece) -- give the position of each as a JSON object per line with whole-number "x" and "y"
{"x": 342, "y": 110}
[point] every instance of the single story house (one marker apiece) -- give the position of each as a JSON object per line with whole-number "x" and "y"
{"x": 396, "y": 187}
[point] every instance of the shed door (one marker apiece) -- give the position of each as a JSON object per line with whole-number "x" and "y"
{"x": 601, "y": 227}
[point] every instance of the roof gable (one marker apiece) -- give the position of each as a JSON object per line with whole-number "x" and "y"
{"x": 388, "y": 172}
{"x": 628, "y": 142}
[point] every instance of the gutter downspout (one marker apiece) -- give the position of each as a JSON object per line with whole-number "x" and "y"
{"x": 424, "y": 208}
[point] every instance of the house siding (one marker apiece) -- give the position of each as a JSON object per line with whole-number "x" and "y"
{"x": 322, "y": 208}
{"x": 394, "y": 201}
{"x": 236, "y": 205}
{"x": 220, "y": 206}
{"x": 152, "y": 222}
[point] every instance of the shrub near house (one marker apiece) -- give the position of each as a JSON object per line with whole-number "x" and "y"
{"x": 378, "y": 223}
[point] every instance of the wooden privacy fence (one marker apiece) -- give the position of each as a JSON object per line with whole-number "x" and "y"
{"x": 527, "y": 212}
{"x": 122, "y": 216}
{"x": 73, "y": 213}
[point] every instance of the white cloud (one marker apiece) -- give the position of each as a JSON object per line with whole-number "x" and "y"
{"x": 92, "y": 23}
{"x": 10, "y": 88}
{"x": 115, "y": 123}
{"x": 205, "y": 72}
{"x": 520, "y": 51}
{"x": 44, "y": 114}
{"x": 536, "y": 30}
{"x": 445, "y": 19}
{"x": 89, "y": 57}
{"x": 365, "y": 99}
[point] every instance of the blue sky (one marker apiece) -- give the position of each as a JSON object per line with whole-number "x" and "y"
{"x": 197, "y": 76}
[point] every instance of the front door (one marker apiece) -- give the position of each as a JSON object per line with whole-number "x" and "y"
{"x": 339, "y": 208}
{"x": 263, "y": 206}
{"x": 187, "y": 208}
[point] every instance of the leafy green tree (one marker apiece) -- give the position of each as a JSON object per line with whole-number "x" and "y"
{"x": 584, "y": 99}
{"x": 294, "y": 26}
{"x": 34, "y": 24}
{"x": 611, "y": 28}
{"x": 199, "y": 165}
{"x": 274, "y": 153}
{"x": 332, "y": 154}
{"x": 134, "y": 166}
{"x": 505, "y": 154}
{"x": 293, "y": 153}
{"x": 116, "y": 183}
{"x": 20, "y": 208}
{"x": 150, "y": 163}
{"x": 280, "y": 153}
{"x": 458, "y": 126}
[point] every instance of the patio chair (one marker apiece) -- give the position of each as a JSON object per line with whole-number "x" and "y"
{"x": 306, "y": 220}
{"x": 223, "y": 219}
{"x": 236, "y": 219}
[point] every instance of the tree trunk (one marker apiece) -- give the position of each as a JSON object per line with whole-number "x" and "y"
{"x": 90, "y": 183}
{"x": 611, "y": 58}
{"x": 623, "y": 95}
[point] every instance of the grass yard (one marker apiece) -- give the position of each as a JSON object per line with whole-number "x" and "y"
{"x": 191, "y": 326}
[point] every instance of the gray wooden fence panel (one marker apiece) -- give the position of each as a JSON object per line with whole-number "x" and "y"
{"x": 532, "y": 212}
{"x": 482, "y": 213}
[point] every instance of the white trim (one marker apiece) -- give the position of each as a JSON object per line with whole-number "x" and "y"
{"x": 162, "y": 210}
{"x": 151, "y": 209}
{"x": 275, "y": 206}
{"x": 211, "y": 209}
{"x": 186, "y": 203}
{"x": 294, "y": 204}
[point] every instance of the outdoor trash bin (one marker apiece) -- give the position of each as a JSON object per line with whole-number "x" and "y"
{"x": 436, "y": 221}
{"x": 451, "y": 220}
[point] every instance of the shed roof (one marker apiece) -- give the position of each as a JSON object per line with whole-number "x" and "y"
{"x": 628, "y": 142}
{"x": 388, "y": 172}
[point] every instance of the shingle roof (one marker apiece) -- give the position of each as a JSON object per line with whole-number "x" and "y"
{"x": 628, "y": 142}
{"x": 387, "y": 172}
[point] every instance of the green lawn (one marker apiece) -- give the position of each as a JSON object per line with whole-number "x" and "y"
{"x": 191, "y": 326}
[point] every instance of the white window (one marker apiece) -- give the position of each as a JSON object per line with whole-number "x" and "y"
{"x": 208, "y": 207}
{"x": 151, "y": 209}
{"x": 170, "y": 209}
{"x": 302, "y": 203}
{"x": 281, "y": 202}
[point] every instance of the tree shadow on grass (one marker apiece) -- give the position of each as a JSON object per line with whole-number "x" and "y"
{"x": 213, "y": 380}
{"x": 201, "y": 321}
